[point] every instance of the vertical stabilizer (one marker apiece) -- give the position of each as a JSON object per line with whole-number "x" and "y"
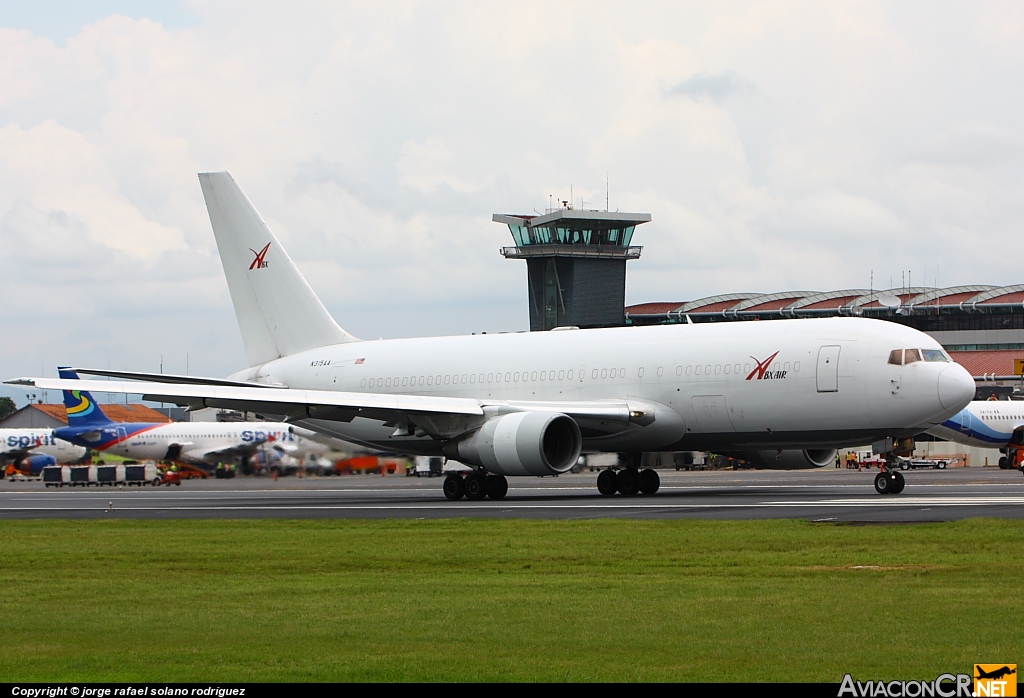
{"x": 277, "y": 311}
{"x": 81, "y": 408}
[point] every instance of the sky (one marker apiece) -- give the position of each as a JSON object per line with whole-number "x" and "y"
{"x": 777, "y": 145}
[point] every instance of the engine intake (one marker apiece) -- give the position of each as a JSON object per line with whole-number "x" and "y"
{"x": 521, "y": 443}
{"x": 791, "y": 459}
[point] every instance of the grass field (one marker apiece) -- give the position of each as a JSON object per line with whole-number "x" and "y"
{"x": 272, "y": 600}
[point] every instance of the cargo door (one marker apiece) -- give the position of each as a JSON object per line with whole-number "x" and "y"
{"x": 712, "y": 414}
{"x": 828, "y": 369}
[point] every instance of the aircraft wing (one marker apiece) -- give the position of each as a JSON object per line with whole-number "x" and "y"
{"x": 344, "y": 406}
{"x": 294, "y": 404}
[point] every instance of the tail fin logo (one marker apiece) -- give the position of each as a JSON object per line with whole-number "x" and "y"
{"x": 260, "y": 261}
{"x": 83, "y": 408}
{"x": 761, "y": 371}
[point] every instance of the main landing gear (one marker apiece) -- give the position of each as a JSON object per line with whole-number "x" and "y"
{"x": 475, "y": 486}
{"x": 630, "y": 480}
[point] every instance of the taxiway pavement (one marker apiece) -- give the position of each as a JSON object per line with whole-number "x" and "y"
{"x": 821, "y": 495}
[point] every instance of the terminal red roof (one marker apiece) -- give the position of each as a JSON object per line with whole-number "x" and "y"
{"x": 978, "y": 363}
{"x": 1016, "y": 297}
{"x": 652, "y": 308}
{"x": 118, "y": 413}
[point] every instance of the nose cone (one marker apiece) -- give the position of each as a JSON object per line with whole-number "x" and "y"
{"x": 956, "y": 387}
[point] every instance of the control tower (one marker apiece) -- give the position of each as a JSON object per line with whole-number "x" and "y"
{"x": 576, "y": 264}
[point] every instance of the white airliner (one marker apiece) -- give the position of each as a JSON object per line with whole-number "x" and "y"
{"x": 28, "y": 451}
{"x": 988, "y": 424}
{"x": 529, "y": 403}
{"x": 190, "y": 442}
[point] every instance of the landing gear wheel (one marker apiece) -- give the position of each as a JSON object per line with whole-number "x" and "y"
{"x": 900, "y": 483}
{"x": 884, "y": 483}
{"x": 627, "y": 482}
{"x": 476, "y": 487}
{"x": 454, "y": 487}
{"x": 497, "y": 486}
{"x": 1003, "y": 464}
{"x": 607, "y": 484}
{"x": 649, "y": 481}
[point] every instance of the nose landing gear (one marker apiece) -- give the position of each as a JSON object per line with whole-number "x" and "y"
{"x": 890, "y": 482}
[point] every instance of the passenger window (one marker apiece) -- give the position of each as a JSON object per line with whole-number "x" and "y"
{"x": 679, "y": 371}
{"x": 896, "y": 357}
{"x": 604, "y": 372}
{"x": 796, "y": 367}
{"x": 561, "y": 375}
{"x": 640, "y": 372}
{"x": 569, "y": 375}
{"x": 728, "y": 369}
{"x": 718, "y": 369}
{"x": 911, "y": 355}
{"x": 594, "y": 374}
{"x": 699, "y": 369}
{"x": 689, "y": 369}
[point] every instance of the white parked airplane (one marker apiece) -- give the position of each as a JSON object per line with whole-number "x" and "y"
{"x": 529, "y": 403}
{"x": 189, "y": 442}
{"x": 989, "y": 424}
{"x": 28, "y": 451}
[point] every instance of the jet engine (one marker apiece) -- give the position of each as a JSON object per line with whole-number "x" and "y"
{"x": 521, "y": 443}
{"x": 33, "y": 465}
{"x": 791, "y": 459}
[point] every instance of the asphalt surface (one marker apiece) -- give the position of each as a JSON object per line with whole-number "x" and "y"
{"x": 822, "y": 495}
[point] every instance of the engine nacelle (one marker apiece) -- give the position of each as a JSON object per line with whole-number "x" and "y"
{"x": 33, "y": 465}
{"x": 521, "y": 443}
{"x": 791, "y": 459}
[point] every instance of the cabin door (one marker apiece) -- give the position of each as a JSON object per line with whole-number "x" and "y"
{"x": 828, "y": 369}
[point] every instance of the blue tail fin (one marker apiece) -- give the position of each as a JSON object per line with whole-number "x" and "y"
{"x": 82, "y": 409}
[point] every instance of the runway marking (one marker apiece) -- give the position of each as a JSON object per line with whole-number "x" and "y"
{"x": 440, "y": 506}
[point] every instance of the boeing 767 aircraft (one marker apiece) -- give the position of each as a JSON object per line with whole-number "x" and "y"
{"x": 529, "y": 403}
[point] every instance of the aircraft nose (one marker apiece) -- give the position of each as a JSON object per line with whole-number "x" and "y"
{"x": 956, "y": 387}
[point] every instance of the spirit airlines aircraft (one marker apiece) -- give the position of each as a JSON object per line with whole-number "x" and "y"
{"x": 989, "y": 424}
{"x": 28, "y": 451}
{"x": 190, "y": 442}
{"x": 529, "y": 403}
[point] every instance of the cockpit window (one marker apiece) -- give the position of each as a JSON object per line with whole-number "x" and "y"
{"x": 911, "y": 355}
{"x": 935, "y": 355}
{"x": 896, "y": 357}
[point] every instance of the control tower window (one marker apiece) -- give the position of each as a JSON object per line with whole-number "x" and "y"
{"x": 896, "y": 357}
{"x": 911, "y": 355}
